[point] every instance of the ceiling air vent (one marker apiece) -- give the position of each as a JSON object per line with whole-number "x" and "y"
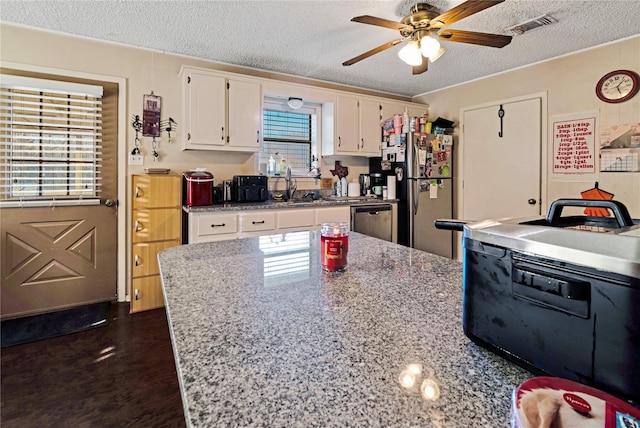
{"x": 531, "y": 24}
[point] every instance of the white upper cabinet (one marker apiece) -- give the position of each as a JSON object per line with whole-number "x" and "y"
{"x": 204, "y": 110}
{"x": 370, "y": 127}
{"x": 245, "y": 115}
{"x": 220, "y": 113}
{"x": 347, "y": 125}
{"x": 357, "y": 127}
{"x": 390, "y": 108}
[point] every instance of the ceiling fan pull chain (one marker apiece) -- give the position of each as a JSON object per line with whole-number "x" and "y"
{"x": 500, "y": 115}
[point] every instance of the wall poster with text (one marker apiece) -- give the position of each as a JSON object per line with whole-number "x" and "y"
{"x": 574, "y": 146}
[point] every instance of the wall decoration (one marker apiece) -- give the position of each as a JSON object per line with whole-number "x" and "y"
{"x": 151, "y": 125}
{"x": 574, "y": 146}
{"x": 151, "y": 115}
{"x": 598, "y": 194}
{"x": 620, "y": 148}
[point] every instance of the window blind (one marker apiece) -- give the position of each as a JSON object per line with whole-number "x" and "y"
{"x": 50, "y": 139}
{"x": 290, "y": 134}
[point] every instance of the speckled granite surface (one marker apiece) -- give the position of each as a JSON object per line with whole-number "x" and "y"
{"x": 316, "y": 349}
{"x": 270, "y": 204}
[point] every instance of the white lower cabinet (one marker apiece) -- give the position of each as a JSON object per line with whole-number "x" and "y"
{"x": 333, "y": 214}
{"x": 209, "y": 227}
{"x": 212, "y": 226}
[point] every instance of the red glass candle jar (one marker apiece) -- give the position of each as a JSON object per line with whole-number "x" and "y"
{"x": 334, "y": 243}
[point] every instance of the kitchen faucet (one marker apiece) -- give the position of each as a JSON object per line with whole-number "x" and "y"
{"x": 291, "y": 187}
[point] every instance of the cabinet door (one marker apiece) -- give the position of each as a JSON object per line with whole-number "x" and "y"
{"x": 245, "y": 115}
{"x": 258, "y": 220}
{"x": 302, "y": 219}
{"x": 156, "y": 191}
{"x": 370, "y": 128}
{"x": 391, "y": 108}
{"x": 204, "y": 111}
{"x": 333, "y": 214}
{"x": 146, "y": 293}
{"x": 417, "y": 110}
{"x": 145, "y": 257}
{"x": 214, "y": 224}
{"x": 156, "y": 225}
{"x": 347, "y": 129}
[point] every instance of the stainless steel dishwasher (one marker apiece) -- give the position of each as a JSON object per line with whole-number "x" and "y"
{"x": 372, "y": 220}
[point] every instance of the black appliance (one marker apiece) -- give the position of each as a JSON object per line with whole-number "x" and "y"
{"x": 558, "y": 294}
{"x": 250, "y": 188}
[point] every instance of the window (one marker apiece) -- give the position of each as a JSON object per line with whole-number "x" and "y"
{"x": 50, "y": 139}
{"x": 290, "y": 134}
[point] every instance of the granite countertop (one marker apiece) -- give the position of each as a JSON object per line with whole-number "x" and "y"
{"x": 263, "y": 337}
{"x": 299, "y": 203}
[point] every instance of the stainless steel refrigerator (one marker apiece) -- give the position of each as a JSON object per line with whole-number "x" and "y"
{"x": 423, "y": 166}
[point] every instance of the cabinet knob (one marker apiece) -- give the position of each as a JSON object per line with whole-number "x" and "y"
{"x": 136, "y": 261}
{"x": 258, "y": 137}
{"x": 218, "y": 225}
{"x": 137, "y": 227}
{"x": 258, "y": 222}
{"x": 222, "y": 133}
{"x": 339, "y": 142}
{"x": 137, "y": 296}
{"x": 137, "y": 192}
{"x": 362, "y": 145}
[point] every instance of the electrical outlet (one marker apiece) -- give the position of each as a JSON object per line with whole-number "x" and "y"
{"x": 136, "y": 160}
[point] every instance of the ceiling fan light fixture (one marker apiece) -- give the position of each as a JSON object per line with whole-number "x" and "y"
{"x": 411, "y": 53}
{"x": 295, "y": 103}
{"x": 429, "y": 46}
{"x": 437, "y": 55}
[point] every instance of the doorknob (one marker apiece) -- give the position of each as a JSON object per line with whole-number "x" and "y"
{"x": 109, "y": 203}
{"x": 531, "y": 201}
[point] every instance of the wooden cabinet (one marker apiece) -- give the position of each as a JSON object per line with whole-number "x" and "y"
{"x": 220, "y": 113}
{"x": 155, "y": 225}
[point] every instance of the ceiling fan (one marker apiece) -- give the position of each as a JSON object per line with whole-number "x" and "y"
{"x": 424, "y": 25}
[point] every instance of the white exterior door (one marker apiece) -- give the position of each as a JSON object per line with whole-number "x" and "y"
{"x": 502, "y": 174}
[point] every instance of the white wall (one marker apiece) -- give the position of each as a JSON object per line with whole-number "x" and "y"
{"x": 570, "y": 86}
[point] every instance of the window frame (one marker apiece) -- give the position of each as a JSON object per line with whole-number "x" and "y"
{"x": 313, "y": 109}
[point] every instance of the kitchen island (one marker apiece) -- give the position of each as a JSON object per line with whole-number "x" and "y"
{"x": 263, "y": 337}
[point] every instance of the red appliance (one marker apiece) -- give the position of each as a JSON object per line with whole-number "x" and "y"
{"x": 197, "y": 188}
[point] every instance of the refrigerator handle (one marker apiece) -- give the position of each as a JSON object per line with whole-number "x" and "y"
{"x": 416, "y": 170}
{"x": 416, "y": 195}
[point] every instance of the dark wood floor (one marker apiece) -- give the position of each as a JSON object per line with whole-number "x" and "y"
{"x": 121, "y": 375}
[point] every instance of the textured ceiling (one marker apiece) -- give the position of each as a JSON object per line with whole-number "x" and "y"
{"x": 313, "y": 38}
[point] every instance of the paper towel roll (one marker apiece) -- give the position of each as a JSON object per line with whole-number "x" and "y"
{"x": 391, "y": 186}
{"x": 354, "y": 189}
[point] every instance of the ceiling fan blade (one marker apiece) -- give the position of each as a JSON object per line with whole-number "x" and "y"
{"x": 484, "y": 39}
{"x": 461, "y": 11}
{"x": 419, "y": 69}
{"x": 373, "y": 52}
{"x": 380, "y": 22}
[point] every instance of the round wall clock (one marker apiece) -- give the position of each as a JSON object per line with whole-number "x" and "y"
{"x": 618, "y": 86}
